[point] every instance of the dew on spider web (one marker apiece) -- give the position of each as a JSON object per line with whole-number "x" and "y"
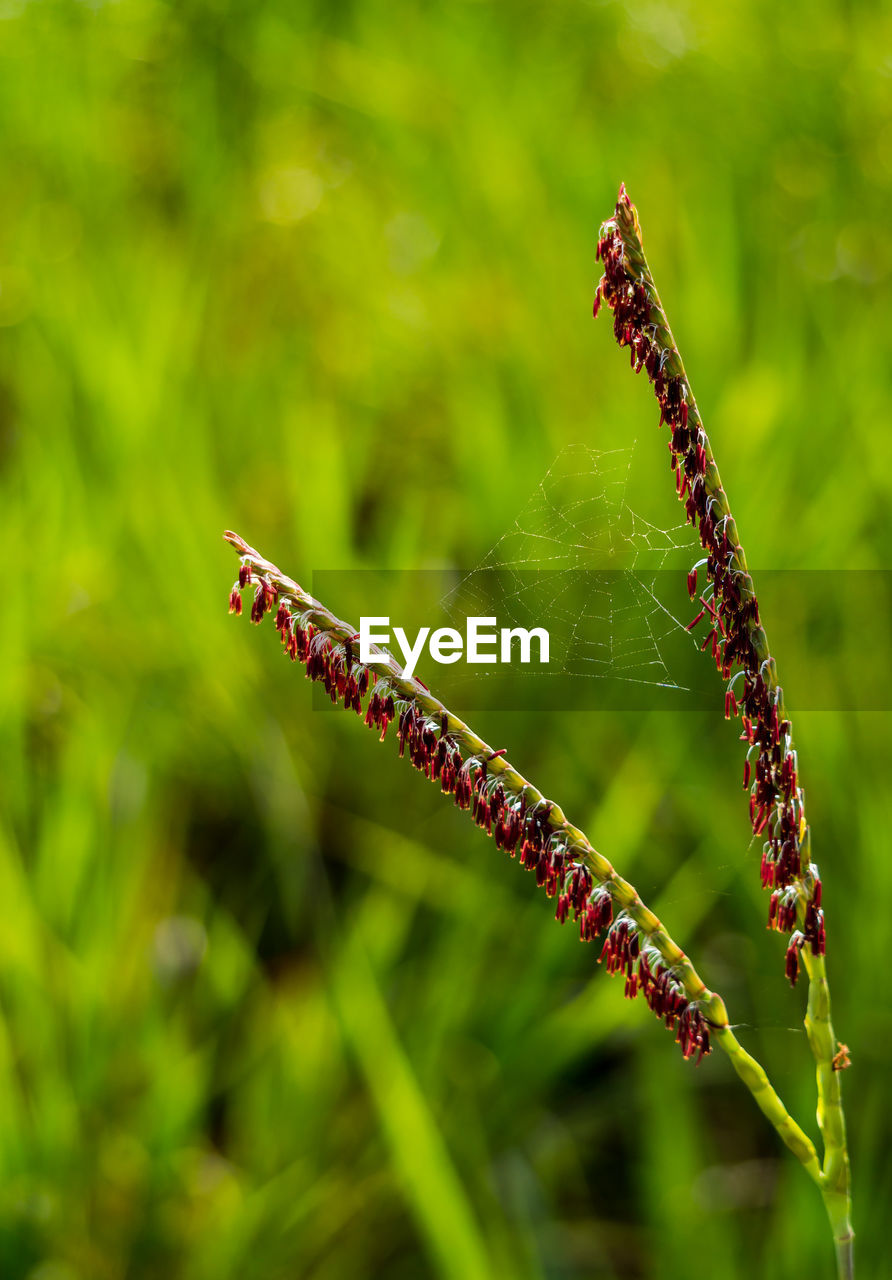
{"x": 580, "y": 562}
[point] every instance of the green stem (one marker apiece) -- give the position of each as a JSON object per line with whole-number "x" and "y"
{"x": 753, "y": 1076}
{"x": 844, "y": 1239}
{"x": 835, "y": 1185}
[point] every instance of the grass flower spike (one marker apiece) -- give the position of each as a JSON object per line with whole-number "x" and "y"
{"x": 736, "y": 639}
{"x": 734, "y": 634}
{"x": 503, "y": 804}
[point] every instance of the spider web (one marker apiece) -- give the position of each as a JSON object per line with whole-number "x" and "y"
{"x": 580, "y": 562}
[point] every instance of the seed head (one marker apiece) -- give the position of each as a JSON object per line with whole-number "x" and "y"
{"x": 525, "y": 827}
{"x": 734, "y": 636}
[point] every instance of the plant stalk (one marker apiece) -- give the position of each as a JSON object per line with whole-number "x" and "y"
{"x": 832, "y": 1176}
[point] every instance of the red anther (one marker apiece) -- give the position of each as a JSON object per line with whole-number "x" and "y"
{"x": 767, "y": 869}
{"x": 819, "y": 946}
{"x": 792, "y": 957}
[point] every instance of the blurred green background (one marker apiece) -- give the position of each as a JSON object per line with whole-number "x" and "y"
{"x": 322, "y": 273}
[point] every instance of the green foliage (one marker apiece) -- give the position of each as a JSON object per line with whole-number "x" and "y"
{"x": 322, "y": 273}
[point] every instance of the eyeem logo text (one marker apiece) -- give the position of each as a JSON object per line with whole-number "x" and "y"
{"x": 480, "y": 643}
